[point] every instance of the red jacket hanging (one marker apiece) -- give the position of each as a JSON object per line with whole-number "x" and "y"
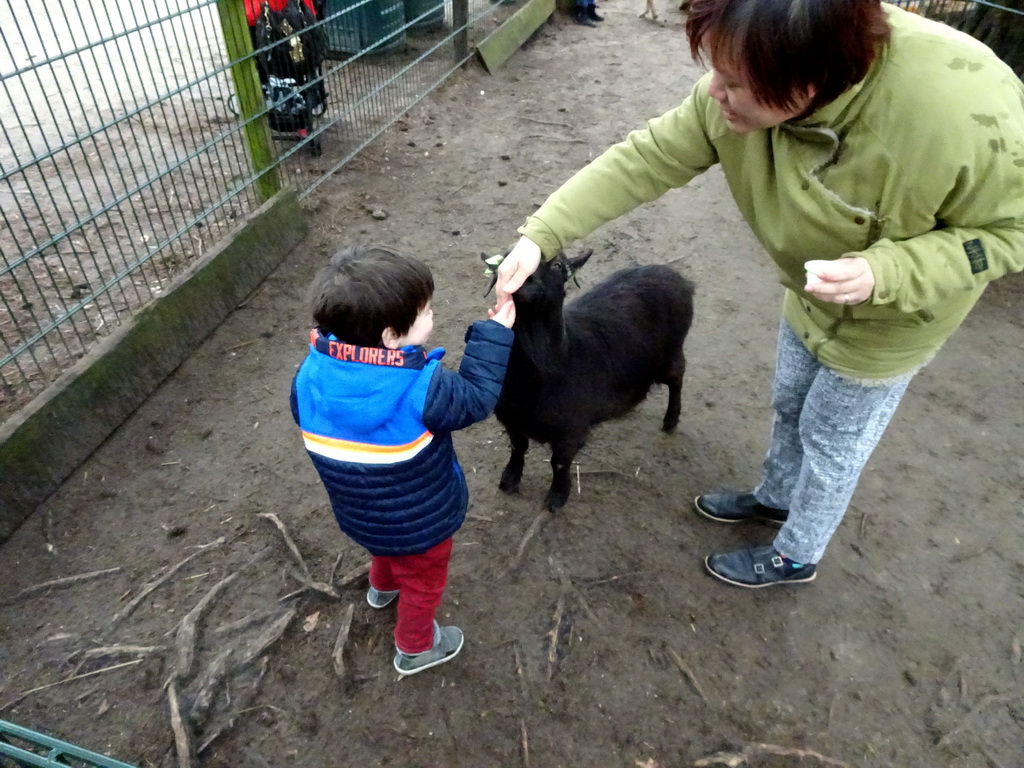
{"x": 252, "y": 8}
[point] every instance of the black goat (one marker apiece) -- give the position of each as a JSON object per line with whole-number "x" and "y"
{"x": 571, "y": 370}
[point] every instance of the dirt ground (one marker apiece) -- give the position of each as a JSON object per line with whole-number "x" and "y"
{"x": 906, "y": 651}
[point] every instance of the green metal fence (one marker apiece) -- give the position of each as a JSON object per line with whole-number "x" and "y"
{"x": 23, "y": 747}
{"x": 135, "y": 134}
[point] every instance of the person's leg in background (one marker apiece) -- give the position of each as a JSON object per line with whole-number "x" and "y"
{"x": 586, "y": 13}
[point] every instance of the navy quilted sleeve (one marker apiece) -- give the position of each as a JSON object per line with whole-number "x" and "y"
{"x": 456, "y": 400}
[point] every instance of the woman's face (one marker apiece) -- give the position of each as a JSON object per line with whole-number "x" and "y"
{"x": 742, "y": 112}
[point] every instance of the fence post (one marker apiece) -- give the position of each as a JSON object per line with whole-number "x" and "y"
{"x": 238, "y": 45}
{"x": 460, "y": 21}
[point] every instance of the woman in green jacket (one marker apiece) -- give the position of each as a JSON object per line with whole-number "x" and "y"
{"x": 879, "y": 159}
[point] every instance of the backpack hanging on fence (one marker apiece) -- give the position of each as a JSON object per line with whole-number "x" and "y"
{"x": 292, "y": 62}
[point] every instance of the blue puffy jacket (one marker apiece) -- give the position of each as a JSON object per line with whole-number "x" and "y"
{"x": 377, "y": 425}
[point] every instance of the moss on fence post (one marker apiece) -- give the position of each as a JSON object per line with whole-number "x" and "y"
{"x": 238, "y": 45}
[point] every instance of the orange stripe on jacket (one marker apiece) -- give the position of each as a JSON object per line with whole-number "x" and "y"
{"x": 364, "y": 453}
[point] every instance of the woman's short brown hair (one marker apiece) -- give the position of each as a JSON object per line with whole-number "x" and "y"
{"x": 784, "y": 48}
{"x": 367, "y": 289}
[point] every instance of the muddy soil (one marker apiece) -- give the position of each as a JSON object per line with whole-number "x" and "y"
{"x": 605, "y": 644}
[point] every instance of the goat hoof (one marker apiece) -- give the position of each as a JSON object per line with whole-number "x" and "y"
{"x": 509, "y": 484}
{"x": 555, "y": 501}
{"x": 670, "y": 426}
{"x": 510, "y": 477}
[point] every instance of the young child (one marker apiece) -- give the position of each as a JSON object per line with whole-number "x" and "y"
{"x": 377, "y": 412}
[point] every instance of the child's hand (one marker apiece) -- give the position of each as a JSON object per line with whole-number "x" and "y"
{"x": 506, "y": 315}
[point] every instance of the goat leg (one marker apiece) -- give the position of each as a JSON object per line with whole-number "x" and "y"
{"x": 513, "y": 472}
{"x": 674, "y": 380}
{"x": 562, "y": 454}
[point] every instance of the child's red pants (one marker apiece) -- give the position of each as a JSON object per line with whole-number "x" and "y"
{"x": 420, "y": 580}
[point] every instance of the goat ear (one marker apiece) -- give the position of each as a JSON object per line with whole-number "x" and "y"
{"x": 494, "y": 279}
{"x": 573, "y": 265}
{"x": 492, "y": 263}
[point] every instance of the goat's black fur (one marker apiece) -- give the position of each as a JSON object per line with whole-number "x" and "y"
{"x": 596, "y": 360}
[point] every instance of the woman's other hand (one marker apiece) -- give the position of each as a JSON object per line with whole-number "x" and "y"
{"x": 848, "y": 280}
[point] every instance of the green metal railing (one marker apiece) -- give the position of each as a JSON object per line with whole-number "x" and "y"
{"x": 22, "y": 747}
{"x": 135, "y": 135}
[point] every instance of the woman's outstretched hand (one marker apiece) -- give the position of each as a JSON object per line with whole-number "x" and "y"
{"x": 848, "y": 280}
{"x": 521, "y": 262}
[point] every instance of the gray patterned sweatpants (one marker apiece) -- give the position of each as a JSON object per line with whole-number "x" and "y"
{"x": 825, "y": 428}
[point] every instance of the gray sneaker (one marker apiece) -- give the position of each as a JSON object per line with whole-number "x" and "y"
{"x": 378, "y": 599}
{"x": 447, "y": 644}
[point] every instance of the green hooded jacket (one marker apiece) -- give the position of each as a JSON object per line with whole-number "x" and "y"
{"x": 919, "y": 168}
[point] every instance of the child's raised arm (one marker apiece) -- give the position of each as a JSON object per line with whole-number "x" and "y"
{"x": 506, "y": 315}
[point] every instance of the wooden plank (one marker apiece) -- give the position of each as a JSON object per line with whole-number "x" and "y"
{"x": 498, "y": 47}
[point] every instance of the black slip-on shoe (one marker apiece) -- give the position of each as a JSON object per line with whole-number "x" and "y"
{"x": 757, "y": 567}
{"x": 731, "y": 507}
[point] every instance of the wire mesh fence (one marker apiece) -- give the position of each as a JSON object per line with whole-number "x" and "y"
{"x": 137, "y": 134}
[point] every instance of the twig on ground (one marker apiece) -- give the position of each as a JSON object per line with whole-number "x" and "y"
{"x": 354, "y": 575}
{"x": 71, "y": 679}
{"x": 604, "y": 472}
{"x": 152, "y": 585}
{"x": 241, "y": 344}
{"x": 524, "y": 699}
{"x": 544, "y": 122}
{"x": 267, "y": 638}
{"x": 61, "y": 582}
{"x": 339, "y": 644}
{"x": 207, "y": 689}
{"x": 115, "y": 650}
{"x": 610, "y": 579}
{"x": 187, "y": 629}
{"x": 290, "y": 542}
{"x": 678, "y": 661}
{"x": 569, "y": 588}
{"x": 243, "y": 706}
{"x": 969, "y": 555}
{"x": 307, "y": 577}
{"x": 556, "y": 634}
{"x": 334, "y": 568}
{"x": 535, "y": 526}
{"x": 555, "y": 138}
{"x": 182, "y": 741}
{"x": 736, "y": 759}
{"x": 519, "y": 672}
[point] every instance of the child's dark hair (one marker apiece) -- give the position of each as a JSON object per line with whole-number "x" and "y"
{"x": 367, "y": 289}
